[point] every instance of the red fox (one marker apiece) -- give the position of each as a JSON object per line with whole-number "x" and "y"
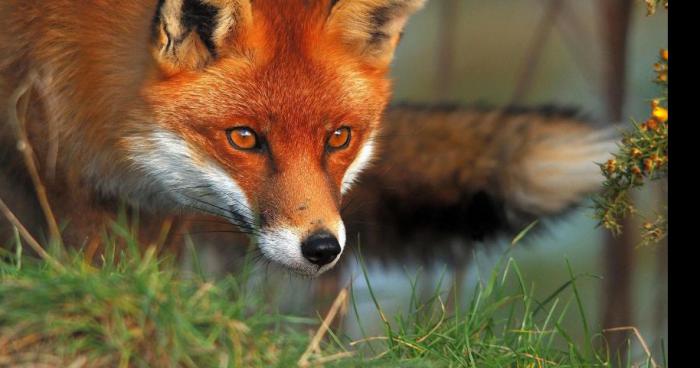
{"x": 449, "y": 176}
{"x": 261, "y": 112}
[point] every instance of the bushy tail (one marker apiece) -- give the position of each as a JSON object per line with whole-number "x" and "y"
{"x": 491, "y": 168}
{"x": 558, "y": 166}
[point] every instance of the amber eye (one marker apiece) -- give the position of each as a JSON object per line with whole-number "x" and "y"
{"x": 242, "y": 138}
{"x": 339, "y": 139}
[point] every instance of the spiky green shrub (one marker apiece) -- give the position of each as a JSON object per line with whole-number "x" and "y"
{"x": 642, "y": 158}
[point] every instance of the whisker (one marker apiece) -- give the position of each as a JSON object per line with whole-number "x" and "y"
{"x": 182, "y": 191}
{"x": 226, "y": 211}
{"x": 234, "y": 221}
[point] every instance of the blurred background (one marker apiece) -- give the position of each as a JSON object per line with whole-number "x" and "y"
{"x": 595, "y": 56}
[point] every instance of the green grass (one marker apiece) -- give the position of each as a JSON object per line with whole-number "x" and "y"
{"x": 133, "y": 309}
{"x": 495, "y": 329}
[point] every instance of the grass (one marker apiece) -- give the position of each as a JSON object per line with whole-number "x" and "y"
{"x": 134, "y": 309}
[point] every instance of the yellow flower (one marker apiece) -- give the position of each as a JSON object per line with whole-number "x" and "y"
{"x": 660, "y": 114}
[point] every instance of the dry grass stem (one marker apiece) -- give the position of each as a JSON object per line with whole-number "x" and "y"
{"x": 638, "y": 335}
{"x": 17, "y": 111}
{"x": 24, "y": 233}
{"x": 314, "y": 346}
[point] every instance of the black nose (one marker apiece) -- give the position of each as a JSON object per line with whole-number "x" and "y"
{"x": 320, "y": 248}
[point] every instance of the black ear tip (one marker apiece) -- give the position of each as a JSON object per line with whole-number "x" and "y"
{"x": 202, "y": 18}
{"x": 192, "y": 18}
{"x": 157, "y": 18}
{"x": 372, "y": 27}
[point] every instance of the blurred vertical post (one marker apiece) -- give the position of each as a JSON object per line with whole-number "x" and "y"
{"x": 447, "y": 39}
{"x": 534, "y": 51}
{"x": 618, "y": 252}
{"x": 660, "y": 316}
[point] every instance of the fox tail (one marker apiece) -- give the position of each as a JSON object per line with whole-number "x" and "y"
{"x": 489, "y": 168}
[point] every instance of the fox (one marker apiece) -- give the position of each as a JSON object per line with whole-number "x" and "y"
{"x": 449, "y": 177}
{"x": 262, "y": 113}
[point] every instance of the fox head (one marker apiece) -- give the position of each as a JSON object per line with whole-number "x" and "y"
{"x": 264, "y": 112}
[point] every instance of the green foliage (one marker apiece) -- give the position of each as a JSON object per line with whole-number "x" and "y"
{"x": 497, "y": 328}
{"x": 643, "y": 157}
{"x": 133, "y": 310}
{"x": 136, "y": 310}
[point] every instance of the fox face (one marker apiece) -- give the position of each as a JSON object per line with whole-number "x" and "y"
{"x": 264, "y": 113}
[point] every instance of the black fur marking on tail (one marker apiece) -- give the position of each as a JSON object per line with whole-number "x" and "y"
{"x": 477, "y": 216}
{"x": 201, "y": 17}
{"x": 484, "y": 216}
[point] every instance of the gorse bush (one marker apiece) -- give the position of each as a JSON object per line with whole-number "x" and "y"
{"x": 642, "y": 158}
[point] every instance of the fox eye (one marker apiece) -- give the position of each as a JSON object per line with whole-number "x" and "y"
{"x": 242, "y": 138}
{"x": 339, "y": 139}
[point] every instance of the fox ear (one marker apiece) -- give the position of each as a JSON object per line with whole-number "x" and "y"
{"x": 189, "y": 34}
{"x": 371, "y": 28}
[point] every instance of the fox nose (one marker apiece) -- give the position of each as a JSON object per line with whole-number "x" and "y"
{"x": 320, "y": 248}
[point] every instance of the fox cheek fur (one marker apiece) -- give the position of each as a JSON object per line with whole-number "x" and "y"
{"x": 293, "y": 74}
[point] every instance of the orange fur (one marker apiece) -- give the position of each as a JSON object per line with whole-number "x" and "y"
{"x": 132, "y": 101}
